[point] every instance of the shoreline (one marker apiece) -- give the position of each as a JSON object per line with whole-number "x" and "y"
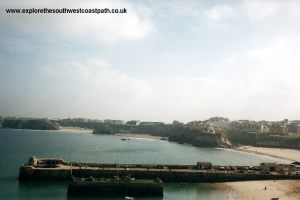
{"x": 138, "y": 136}
{"x": 288, "y": 155}
{"x": 281, "y": 189}
{"x": 291, "y": 155}
{"x": 74, "y": 129}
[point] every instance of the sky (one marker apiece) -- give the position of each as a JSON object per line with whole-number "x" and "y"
{"x": 161, "y": 61}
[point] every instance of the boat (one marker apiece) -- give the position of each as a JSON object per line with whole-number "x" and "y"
{"x": 126, "y": 197}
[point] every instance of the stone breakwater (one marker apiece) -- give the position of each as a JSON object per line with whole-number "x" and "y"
{"x": 57, "y": 169}
{"x": 164, "y": 175}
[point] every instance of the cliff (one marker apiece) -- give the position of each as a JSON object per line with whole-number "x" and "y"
{"x": 180, "y": 134}
{"x": 264, "y": 140}
{"x": 34, "y": 124}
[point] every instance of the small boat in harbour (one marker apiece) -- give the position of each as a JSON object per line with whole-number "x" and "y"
{"x": 164, "y": 138}
{"x": 131, "y": 198}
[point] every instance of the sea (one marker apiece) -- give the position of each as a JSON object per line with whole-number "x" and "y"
{"x": 16, "y": 146}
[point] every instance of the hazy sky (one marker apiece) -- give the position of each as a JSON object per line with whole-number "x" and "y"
{"x": 163, "y": 60}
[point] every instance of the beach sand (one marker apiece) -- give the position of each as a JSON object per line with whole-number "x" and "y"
{"x": 282, "y": 189}
{"x": 288, "y": 154}
{"x": 138, "y": 135}
{"x": 75, "y": 129}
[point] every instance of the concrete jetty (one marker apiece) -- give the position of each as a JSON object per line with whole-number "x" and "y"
{"x": 58, "y": 169}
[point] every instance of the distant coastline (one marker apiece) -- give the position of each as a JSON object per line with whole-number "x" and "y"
{"x": 206, "y": 133}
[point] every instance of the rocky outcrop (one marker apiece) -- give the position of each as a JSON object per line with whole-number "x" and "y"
{"x": 34, "y": 124}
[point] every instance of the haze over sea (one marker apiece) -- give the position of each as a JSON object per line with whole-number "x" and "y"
{"x": 17, "y": 145}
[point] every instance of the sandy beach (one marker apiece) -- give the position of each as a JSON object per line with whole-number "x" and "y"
{"x": 288, "y": 154}
{"x": 138, "y": 135}
{"x": 281, "y": 189}
{"x": 75, "y": 129}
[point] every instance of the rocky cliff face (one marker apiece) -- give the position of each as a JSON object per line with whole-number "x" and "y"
{"x": 178, "y": 134}
{"x": 34, "y": 124}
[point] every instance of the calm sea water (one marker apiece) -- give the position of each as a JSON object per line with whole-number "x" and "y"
{"x": 17, "y": 145}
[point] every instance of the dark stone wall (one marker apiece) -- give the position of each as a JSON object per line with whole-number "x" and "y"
{"x": 120, "y": 189}
{"x": 166, "y": 176}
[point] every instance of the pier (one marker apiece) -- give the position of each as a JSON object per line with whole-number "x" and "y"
{"x": 58, "y": 169}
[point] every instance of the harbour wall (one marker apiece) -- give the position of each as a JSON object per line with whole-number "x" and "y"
{"x": 31, "y": 173}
